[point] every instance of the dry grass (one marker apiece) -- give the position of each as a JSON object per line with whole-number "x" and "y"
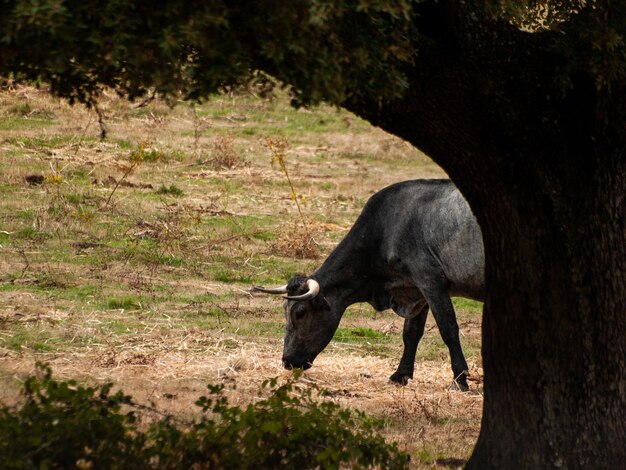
{"x": 150, "y": 291}
{"x": 424, "y": 416}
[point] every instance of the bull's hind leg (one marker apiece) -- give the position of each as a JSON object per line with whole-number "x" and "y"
{"x": 443, "y": 311}
{"x": 411, "y": 335}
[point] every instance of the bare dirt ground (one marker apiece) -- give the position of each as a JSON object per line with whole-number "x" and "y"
{"x": 147, "y": 287}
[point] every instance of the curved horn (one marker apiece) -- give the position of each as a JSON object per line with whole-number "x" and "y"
{"x": 314, "y": 289}
{"x": 273, "y": 290}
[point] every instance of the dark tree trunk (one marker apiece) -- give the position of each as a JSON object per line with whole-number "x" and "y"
{"x": 544, "y": 169}
{"x": 554, "y": 331}
{"x": 554, "y": 325}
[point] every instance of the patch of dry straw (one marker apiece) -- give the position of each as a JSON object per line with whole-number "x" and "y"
{"x": 297, "y": 240}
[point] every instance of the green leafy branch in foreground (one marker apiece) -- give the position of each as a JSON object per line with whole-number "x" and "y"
{"x": 64, "y": 425}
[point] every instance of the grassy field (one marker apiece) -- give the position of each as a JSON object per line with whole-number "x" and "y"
{"x": 130, "y": 259}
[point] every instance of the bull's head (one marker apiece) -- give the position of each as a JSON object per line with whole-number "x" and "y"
{"x": 310, "y": 318}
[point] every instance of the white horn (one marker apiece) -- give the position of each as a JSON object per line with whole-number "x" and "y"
{"x": 314, "y": 289}
{"x": 273, "y": 290}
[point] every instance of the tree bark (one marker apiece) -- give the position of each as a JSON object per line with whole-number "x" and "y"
{"x": 554, "y": 329}
{"x": 544, "y": 169}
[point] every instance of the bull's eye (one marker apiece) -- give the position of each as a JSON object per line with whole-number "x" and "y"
{"x": 299, "y": 314}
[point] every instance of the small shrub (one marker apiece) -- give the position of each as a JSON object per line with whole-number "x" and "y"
{"x": 224, "y": 154}
{"x": 135, "y": 159}
{"x": 54, "y": 179}
{"x": 289, "y": 429}
{"x": 62, "y": 425}
{"x": 172, "y": 190}
{"x": 296, "y": 240}
{"x": 65, "y": 425}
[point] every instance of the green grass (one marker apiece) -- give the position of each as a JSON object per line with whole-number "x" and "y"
{"x": 31, "y": 233}
{"x": 53, "y": 142}
{"x": 231, "y": 275}
{"x": 261, "y": 117}
{"x": 144, "y": 251}
{"x": 251, "y": 328}
{"x": 150, "y": 155}
{"x": 124, "y": 303}
{"x": 428, "y": 455}
{"x": 120, "y": 327}
{"x": 432, "y": 348}
{"x": 35, "y": 339}
{"x": 13, "y": 123}
{"x": 123, "y": 144}
{"x": 358, "y": 335}
{"x": 472, "y": 307}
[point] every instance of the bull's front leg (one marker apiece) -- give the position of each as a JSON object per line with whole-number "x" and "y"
{"x": 412, "y": 332}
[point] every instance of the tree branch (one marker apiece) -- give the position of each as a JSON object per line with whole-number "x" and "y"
{"x": 478, "y": 89}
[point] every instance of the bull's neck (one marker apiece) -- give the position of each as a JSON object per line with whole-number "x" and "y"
{"x": 345, "y": 276}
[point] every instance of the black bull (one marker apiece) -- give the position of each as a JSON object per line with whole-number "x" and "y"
{"x": 415, "y": 245}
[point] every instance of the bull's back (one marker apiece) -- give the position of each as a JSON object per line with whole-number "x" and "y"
{"x": 428, "y": 226}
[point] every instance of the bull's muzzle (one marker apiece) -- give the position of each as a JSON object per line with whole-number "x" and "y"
{"x": 296, "y": 363}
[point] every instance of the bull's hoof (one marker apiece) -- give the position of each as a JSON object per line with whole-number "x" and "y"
{"x": 460, "y": 383}
{"x": 400, "y": 378}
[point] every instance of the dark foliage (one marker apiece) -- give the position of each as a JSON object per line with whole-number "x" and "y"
{"x": 65, "y": 425}
{"x": 191, "y": 49}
